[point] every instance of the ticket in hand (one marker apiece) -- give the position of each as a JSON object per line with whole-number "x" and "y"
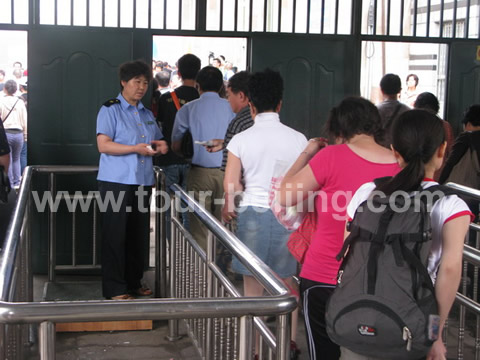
{"x": 204, "y": 143}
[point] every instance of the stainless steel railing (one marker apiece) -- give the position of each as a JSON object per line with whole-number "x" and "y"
{"x": 194, "y": 274}
{"x": 463, "y": 325}
{"x": 18, "y": 311}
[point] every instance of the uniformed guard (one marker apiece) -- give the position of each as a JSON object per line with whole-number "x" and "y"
{"x": 127, "y": 138}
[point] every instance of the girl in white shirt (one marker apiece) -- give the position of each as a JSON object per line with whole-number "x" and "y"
{"x": 419, "y": 146}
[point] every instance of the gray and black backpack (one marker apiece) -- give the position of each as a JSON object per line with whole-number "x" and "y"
{"x": 384, "y": 304}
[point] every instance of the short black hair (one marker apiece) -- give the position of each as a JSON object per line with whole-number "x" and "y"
{"x": 163, "y": 78}
{"x": 11, "y": 87}
{"x": 2, "y": 72}
{"x": 239, "y": 82}
{"x": 188, "y": 66}
{"x": 415, "y": 77}
{"x": 133, "y": 69}
{"x": 472, "y": 115}
{"x": 391, "y": 84}
{"x": 209, "y": 79}
{"x": 427, "y": 101}
{"x": 354, "y": 115}
{"x": 265, "y": 90}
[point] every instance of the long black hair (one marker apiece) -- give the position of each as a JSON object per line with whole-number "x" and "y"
{"x": 417, "y": 134}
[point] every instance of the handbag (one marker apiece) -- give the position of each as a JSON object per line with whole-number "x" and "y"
{"x": 299, "y": 240}
{"x": 289, "y": 216}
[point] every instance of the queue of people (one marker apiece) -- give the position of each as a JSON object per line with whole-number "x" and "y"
{"x": 238, "y": 142}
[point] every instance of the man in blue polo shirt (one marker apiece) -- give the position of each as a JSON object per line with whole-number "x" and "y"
{"x": 206, "y": 118}
{"x": 127, "y": 138}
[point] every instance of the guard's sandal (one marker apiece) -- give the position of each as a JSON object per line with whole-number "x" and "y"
{"x": 122, "y": 297}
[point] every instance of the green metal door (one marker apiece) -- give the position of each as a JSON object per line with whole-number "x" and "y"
{"x": 463, "y": 81}
{"x": 71, "y": 73}
{"x": 317, "y": 74}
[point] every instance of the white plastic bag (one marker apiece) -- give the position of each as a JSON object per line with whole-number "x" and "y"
{"x": 289, "y": 216}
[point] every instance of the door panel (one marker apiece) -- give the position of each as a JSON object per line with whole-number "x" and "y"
{"x": 463, "y": 82}
{"x": 317, "y": 74}
{"x": 68, "y": 82}
{"x": 71, "y": 73}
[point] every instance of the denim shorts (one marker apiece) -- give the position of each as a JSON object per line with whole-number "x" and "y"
{"x": 260, "y": 231}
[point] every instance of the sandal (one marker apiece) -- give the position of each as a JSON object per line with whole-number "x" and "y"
{"x": 122, "y": 297}
{"x": 142, "y": 291}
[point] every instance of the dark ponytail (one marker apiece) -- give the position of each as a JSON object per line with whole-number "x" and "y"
{"x": 416, "y": 135}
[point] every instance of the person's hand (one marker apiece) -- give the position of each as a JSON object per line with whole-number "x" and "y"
{"x": 315, "y": 145}
{"x": 437, "y": 351}
{"x": 217, "y": 145}
{"x": 160, "y": 146}
{"x": 228, "y": 215}
{"x": 144, "y": 149}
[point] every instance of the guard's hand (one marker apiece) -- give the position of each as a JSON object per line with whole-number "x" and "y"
{"x": 160, "y": 146}
{"x": 144, "y": 149}
{"x": 217, "y": 145}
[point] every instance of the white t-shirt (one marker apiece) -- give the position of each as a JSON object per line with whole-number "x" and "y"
{"x": 444, "y": 210}
{"x": 259, "y": 148}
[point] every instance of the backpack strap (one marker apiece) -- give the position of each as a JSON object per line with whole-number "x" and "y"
{"x": 375, "y": 247}
{"x": 174, "y": 96}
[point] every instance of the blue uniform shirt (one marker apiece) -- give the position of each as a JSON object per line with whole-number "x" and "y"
{"x": 128, "y": 125}
{"x": 206, "y": 118}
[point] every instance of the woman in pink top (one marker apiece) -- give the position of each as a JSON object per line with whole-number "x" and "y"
{"x": 336, "y": 173}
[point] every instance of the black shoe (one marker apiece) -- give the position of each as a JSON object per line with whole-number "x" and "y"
{"x": 294, "y": 350}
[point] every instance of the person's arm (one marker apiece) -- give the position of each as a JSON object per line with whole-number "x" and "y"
{"x": 23, "y": 118}
{"x": 232, "y": 186}
{"x": 107, "y": 146}
{"x": 448, "y": 277}
{"x": 299, "y": 178}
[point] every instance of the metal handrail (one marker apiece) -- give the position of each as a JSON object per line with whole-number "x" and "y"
{"x": 280, "y": 302}
{"x": 273, "y": 284}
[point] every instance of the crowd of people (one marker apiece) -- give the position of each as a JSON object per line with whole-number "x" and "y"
{"x": 228, "y": 148}
{"x": 13, "y": 112}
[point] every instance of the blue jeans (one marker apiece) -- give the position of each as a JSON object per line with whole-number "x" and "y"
{"x": 176, "y": 174}
{"x": 23, "y": 157}
{"x": 260, "y": 231}
{"x": 15, "y": 141}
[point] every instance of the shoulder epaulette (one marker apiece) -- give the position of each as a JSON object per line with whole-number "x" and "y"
{"x": 110, "y": 102}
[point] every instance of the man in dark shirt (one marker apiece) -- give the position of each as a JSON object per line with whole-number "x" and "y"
{"x": 390, "y": 109}
{"x": 237, "y": 96}
{"x": 175, "y": 166}
{"x": 471, "y": 123}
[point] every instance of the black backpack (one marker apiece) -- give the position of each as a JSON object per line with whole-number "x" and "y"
{"x": 384, "y": 304}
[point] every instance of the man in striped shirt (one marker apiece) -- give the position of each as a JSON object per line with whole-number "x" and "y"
{"x": 237, "y": 95}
